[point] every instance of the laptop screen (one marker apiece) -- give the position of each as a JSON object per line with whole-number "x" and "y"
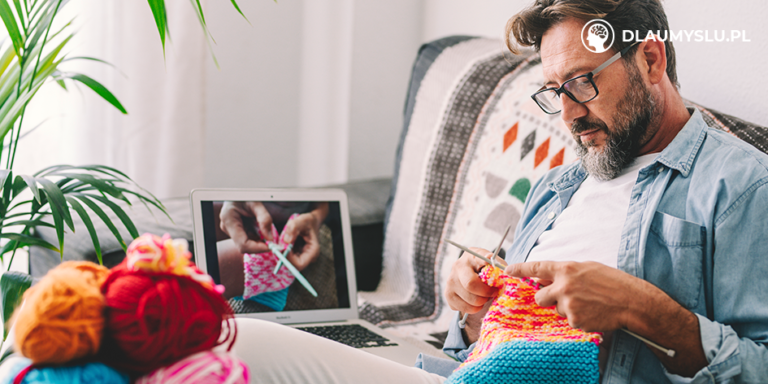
{"x": 275, "y": 256}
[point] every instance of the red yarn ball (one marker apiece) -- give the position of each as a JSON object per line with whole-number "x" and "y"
{"x": 157, "y": 318}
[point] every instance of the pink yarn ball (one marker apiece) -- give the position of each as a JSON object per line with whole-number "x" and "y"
{"x": 208, "y": 367}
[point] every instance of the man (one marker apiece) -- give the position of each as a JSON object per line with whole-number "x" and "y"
{"x": 659, "y": 229}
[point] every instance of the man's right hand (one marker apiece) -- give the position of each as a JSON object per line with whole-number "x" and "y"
{"x": 466, "y": 293}
{"x": 232, "y": 217}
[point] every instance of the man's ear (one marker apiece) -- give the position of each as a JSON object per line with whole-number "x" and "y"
{"x": 653, "y": 56}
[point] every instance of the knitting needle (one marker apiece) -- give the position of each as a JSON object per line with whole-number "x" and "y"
{"x": 492, "y": 261}
{"x": 280, "y": 262}
{"x": 276, "y": 250}
{"x": 668, "y": 352}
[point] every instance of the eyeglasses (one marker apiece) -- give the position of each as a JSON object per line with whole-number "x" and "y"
{"x": 580, "y": 89}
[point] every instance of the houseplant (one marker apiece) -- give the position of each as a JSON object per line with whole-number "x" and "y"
{"x": 29, "y": 59}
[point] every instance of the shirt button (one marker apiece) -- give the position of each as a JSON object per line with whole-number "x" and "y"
{"x": 551, "y": 215}
{"x": 660, "y": 169}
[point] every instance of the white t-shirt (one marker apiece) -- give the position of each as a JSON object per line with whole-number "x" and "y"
{"x": 589, "y": 228}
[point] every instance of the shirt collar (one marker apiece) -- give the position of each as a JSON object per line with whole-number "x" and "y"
{"x": 678, "y": 155}
{"x": 681, "y": 152}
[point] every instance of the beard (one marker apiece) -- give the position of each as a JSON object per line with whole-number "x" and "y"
{"x": 634, "y": 113}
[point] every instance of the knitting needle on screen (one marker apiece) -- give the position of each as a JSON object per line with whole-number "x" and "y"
{"x": 276, "y": 251}
{"x": 502, "y": 265}
{"x": 280, "y": 262}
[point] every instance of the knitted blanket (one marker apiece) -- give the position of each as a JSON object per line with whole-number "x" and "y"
{"x": 521, "y": 342}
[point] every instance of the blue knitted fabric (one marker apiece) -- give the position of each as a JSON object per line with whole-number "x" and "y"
{"x": 528, "y": 362}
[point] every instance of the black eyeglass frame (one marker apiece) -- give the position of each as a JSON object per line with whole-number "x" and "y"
{"x": 561, "y": 89}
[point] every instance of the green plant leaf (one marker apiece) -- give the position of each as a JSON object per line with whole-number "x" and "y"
{"x": 103, "y": 216}
{"x": 25, "y": 240}
{"x": 102, "y": 185}
{"x": 99, "y": 89}
{"x": 13, "y": 285}
{"x": 234, "y": 3}
{"x": 59, "y": 210}
{"x": 29, "y": 223}
{"x": 88, "y": 224}
{"x": 161, "y": 19}
{"x": 119, "y": 212}
{"x": 32, "y": 183}
{"x": 9, "y": 20}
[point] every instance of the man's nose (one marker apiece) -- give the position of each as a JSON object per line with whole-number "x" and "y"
{"x": 572, "y": 110}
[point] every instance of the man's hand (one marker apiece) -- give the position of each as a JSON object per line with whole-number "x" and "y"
{"x": 466, "y": 293}
{"x": 236, "y": 220}
{"x": 595, "y": 297}
{"x": 307, "y": 227}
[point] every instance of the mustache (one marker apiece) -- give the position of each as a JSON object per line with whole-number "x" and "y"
{"x": 582, "y": 125}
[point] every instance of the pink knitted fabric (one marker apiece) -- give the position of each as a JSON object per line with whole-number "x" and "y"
{"x": 259, "y": 267}
{"x": 208, "y": 367}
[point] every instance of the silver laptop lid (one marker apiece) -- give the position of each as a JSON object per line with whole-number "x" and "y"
{"x": 325, "y": 290}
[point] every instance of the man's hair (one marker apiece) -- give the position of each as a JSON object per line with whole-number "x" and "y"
{"x": 528, "y": 26}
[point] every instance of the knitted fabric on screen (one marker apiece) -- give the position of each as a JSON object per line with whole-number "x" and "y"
{"x": 521, "y": 342}
{"x": 259, "y": 269}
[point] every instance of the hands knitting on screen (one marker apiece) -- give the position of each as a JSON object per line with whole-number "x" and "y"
{"x": 237, "y": 219}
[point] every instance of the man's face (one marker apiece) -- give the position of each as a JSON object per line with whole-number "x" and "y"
{"x": 610, "y": 129}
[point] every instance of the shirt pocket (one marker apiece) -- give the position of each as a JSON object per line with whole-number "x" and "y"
{"x": 674, "y": 257}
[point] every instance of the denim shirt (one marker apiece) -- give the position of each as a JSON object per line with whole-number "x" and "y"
{"x": 696, "y": 228}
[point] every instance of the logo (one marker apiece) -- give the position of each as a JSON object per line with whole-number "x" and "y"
{"x": 597, "y": 36}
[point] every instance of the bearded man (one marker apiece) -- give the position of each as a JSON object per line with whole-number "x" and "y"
{"x": 659, "y": 229}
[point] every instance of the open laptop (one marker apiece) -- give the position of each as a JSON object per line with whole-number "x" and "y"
{"x": 316, "y": 299}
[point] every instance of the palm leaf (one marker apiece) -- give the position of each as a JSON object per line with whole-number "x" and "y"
{"x": 99, "y": 89}
{"x": 88, "y": 224}
{"x": 9, "y": 20}
{"x": 103, "y": 216}
{"x": 13, "y": 286}
{"x": 161, "y": 19}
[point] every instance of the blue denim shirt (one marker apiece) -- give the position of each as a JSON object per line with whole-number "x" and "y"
{"x": 697, "y": 228}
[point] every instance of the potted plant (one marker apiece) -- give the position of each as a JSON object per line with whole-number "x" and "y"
{"x": 30, "y": 59}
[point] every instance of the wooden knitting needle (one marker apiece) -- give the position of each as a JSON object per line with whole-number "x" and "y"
{"x": 668, "y": 352}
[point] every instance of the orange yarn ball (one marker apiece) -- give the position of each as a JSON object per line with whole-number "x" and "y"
{"x": 62, "y": 317}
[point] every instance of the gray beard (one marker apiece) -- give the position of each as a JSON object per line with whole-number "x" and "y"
{"x": 634, "y": 114}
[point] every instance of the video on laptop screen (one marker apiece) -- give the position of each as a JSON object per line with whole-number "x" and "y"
{"x": 276, "y": 256}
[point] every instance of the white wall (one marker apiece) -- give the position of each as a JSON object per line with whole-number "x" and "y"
{"x": 725, "y": 76}
{"x": 312, "y": 92}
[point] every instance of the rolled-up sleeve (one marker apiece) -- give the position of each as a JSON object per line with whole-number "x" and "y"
{"x": 454, "y": 343}
{"x": 734, "y": 338}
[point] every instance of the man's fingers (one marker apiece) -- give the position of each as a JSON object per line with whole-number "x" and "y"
{"x": 545, "y": 297}
{"x": 539, "y": 269}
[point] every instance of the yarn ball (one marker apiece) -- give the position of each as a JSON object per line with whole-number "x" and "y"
{"x": 90, "y": 373}
{"x": 61, "y": 318}
{"x": 152, "y": 253}
{"x": 157, "y": 318}
{"x": 209, "y": 367}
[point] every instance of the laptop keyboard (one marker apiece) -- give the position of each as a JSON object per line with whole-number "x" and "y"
{"x": 354, "y": 335}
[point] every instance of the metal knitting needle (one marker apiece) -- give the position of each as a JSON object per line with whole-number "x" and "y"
{"x": 492, "y": 261}
{"x": 668, "y": 352}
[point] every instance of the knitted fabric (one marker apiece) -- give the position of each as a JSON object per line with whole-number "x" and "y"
{"x": 259, "y": 268}
{"x": 521, "y": 342}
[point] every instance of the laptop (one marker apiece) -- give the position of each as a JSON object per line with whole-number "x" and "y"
{"x": 320, "y": 298}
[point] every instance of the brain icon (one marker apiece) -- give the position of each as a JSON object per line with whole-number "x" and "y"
{"x": 599, "y": 30}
